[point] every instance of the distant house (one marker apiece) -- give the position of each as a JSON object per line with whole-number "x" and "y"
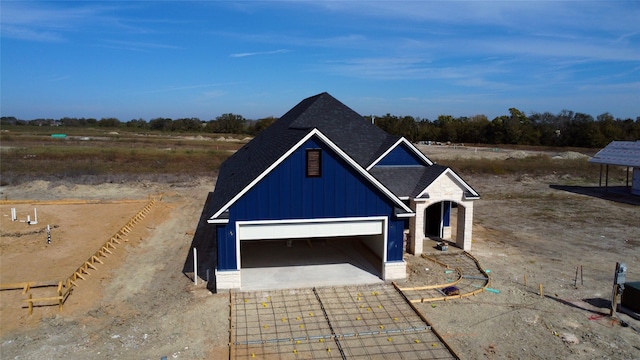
{"x": 322, "y": 170}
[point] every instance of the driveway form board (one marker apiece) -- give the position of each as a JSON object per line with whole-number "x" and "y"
{"x": 354, "y": 322}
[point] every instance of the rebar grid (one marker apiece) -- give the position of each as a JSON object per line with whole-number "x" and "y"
{"x": 330, "y": 323}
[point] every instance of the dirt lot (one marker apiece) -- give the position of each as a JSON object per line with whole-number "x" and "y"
{"x": 139, "y": 304}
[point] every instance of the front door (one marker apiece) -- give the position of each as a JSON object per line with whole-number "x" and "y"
{"x": 433, "y": 220}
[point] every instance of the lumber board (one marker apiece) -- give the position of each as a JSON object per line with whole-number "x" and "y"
{"x": 44, "y": 298}
{"x": 30, "y": 284}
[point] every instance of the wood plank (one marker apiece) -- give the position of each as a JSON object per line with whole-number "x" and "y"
{"x": 43, "y": 299}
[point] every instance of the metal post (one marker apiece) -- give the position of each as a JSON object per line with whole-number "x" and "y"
{"x": 195, "y": 266}
{"x": 600, "y": 183}
{"x": 627, "y": 176}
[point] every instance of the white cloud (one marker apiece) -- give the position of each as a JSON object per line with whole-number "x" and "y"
{"x": 239, "y": 55}
{"x": 37, "y": 22}
{"x": 26, "y": 33}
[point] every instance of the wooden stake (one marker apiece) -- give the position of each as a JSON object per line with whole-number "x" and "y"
{"x": 541, "y": 293}
{"x": 575, "y": 280}
{"x": 525, "y": 279}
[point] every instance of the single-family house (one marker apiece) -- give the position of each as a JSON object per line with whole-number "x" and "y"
{"x": 322, "y": 170}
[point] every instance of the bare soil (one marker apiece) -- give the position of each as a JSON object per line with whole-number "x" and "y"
{"x": 140, "y": 305}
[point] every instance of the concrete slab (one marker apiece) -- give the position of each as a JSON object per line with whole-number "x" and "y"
{"x": 316, "y": 262}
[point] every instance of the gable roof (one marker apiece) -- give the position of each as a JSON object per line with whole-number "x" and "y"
{"x": 359, "y": 142}
{"x": 412, "y": 181}
{"x": 468, "y": 192}
{"x": 362, "y": 140}
{"x": 398, "y": 142}
{"x": 623, "y": 153}
{"x": 356, "y": 139}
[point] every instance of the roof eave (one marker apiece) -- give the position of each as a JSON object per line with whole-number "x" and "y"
{"x": 218, "y": 221}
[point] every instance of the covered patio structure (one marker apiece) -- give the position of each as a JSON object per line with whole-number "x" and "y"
{"x": 620, "y": 153}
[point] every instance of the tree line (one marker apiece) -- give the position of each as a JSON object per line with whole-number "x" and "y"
{"x": 226, "y": 124}
{"x": 565, "y": 129}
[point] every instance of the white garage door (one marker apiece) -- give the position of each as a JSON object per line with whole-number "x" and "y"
{"x": 370, "y": 229}
{"x": 297, "y": 229}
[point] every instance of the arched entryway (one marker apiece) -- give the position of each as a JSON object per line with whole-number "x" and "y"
{"x": 446, "y": 219}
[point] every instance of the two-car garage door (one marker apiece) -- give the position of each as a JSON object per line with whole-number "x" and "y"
{"x": 366, "y": 234}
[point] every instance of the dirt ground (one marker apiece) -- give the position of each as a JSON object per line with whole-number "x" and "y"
{"x": 139, "y": 304}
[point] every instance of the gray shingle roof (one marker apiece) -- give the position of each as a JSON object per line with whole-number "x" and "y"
{"x": 357, "y": 137}
{"x": 361, "y": 140}
{"x": 407, "y": 181}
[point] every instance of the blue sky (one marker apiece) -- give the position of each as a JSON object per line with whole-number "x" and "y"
{"x": 148, "y": 59}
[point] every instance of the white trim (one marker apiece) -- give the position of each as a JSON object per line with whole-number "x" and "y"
{"x": 457, "y": 179}
{"x": 409, "y": 144}
{"x": 384, "y": 222}
{"x": 405, "y": 215}
{"x": 301, "y": 230}
{"x": 334, "y": 147}
{"x": 441, "y": 220}
{"x": 218, "y": 221}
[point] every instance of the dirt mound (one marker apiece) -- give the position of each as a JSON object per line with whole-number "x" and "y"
{"x": 518, "y": 155}
{"x": 571, "y": 155}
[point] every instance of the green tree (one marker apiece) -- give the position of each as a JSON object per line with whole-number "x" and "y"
{"x": 161, "y": 124}
{"x": 260, "y": 125}
{"x": 229, "y": 124}
{"x": 137, "y": 124}
{"x": 448, "y": 128}
{"x": 109, "y": 122}
{"x": 477, "y": 127}
{"x": 187, "y": 125}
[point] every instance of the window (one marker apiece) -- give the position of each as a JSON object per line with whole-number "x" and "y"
{"x": 314, "y": 163}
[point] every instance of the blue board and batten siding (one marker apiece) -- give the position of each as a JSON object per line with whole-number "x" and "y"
{"x": 401, "y": 156}
{"x": 287, "y": 193}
